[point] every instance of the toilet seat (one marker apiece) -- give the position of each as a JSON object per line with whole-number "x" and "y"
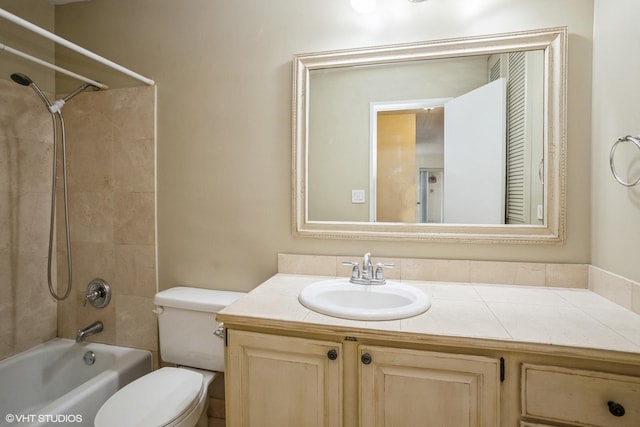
{"x": 164, "y": 397}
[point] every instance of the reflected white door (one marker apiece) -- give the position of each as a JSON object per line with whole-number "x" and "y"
{"x": 474, "y": 156}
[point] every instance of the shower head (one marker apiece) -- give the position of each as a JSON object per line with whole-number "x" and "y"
{"x": 57, "y": 105}
{"x": 21, "y": 79}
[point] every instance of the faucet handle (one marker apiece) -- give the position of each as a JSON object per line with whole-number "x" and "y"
{"x": 379, "y": 275}
{"x": 98, "y": 293}
{"x": 90, "y": 296}
{"x": 355, "y": 271}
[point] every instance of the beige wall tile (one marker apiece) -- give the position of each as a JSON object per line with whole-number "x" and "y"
{"x": 90, "y": 161}
{"x": 136, "y": 324}
{"x": 435, "y": 269}
{"x": 635, "y": 298}
{"x": 133, "y": 218}
{"x": 136, "y": 270}
{"x": 307, "y": 264}
{"x": 509, "y": 273}
{"x": 91, "y": 260}
{"x": 567, "y": 275}
{"x": 28, "y": 316}
{"x": 133, "y": 166}
{"x": 611, "y": 286}
{"x": 113, "y": 231}
{"x": 92, "y": 216}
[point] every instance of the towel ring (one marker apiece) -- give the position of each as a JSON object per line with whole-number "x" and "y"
{"x": 636, "y": 141}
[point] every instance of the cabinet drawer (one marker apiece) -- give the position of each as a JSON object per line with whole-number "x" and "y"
{"x": 580, "y": 397}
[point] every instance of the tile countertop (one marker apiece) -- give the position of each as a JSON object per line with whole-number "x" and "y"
{"x": 549, "y": 320}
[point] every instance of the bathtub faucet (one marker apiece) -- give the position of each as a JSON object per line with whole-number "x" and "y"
{"x": 92, "y": 329}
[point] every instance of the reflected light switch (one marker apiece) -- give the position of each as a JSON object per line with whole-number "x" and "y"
{"x": 357, "y": 196}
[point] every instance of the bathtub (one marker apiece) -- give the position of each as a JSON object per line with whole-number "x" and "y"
{"x": 51, "y": 384}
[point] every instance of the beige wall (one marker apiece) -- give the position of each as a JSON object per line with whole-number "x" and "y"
{"x": 615, "y": 209}
{"x": 224, "y": 115}
{"x": 40, "y": 13}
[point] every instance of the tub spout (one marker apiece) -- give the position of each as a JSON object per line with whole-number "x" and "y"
{"x": 92, "y": 329}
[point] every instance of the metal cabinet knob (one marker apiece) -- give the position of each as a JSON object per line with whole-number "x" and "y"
{"x": 366, "y": 358}
{"x": 616, "y": 409}
{"x": 332, "y": 354}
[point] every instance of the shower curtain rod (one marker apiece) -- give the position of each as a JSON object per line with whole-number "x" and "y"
{"x": 41, "y": 31}
{"x": 53, "y": 67}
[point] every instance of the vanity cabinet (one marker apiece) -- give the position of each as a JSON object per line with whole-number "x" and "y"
{"x": 578, "y": 397}
{"x": 274, "y": 380}
{"x": 400, "y": 387}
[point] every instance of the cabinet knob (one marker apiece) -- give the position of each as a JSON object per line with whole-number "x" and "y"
{"x": 366, "y": 358}
{"x": 616, "y": 409}
{"x": 332, "y": 354}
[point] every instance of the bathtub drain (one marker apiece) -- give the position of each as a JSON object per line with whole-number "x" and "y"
{"x": 89, "y": 358}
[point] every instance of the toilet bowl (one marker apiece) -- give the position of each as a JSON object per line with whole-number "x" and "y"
{"x": 175, "y": 396}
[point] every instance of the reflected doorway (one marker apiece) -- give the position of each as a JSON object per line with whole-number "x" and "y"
{"x": 431, "y": 190}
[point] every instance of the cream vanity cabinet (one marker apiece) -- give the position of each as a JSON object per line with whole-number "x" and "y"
{"x": 400, "y": 387}
{"x": 275, "y": 380}
{"x": 578, "y": 397}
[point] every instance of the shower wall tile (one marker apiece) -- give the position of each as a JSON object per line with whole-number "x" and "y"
{"x": 22, "y": 113}
{"x": 92, "y": 216}
{"x": 27, "y": 312}
{"x": 90, "y": 161}
{"x": 111, "y": 156}
{"x": 133, "y": 166}
{"x": 25, "y": 165}
{"x": 130, "y": 212}
{"x": 136, "y": 269}
{"x": 136, "y": 323}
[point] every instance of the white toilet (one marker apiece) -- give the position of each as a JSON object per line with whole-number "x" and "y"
{"x": 175, "y": 396}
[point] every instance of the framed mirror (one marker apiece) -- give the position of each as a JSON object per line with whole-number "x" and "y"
{"x": 448, "y": 140}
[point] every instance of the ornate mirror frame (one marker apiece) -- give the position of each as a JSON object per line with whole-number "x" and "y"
{"x": 552, "y": 41}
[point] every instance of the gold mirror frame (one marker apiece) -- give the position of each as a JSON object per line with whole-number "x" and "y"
{"x": 552, "y": 41}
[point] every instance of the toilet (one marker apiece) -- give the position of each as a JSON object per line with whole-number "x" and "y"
{"x": 175, "y": 396}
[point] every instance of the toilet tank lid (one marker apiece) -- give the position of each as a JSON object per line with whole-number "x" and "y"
{"x": 198, "y": 299}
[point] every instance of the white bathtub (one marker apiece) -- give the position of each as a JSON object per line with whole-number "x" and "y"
{"x": 51, "y": 384}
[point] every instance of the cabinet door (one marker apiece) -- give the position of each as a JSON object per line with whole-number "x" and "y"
{"x": 280, "y": 381}
{"x": 418, "y": 388}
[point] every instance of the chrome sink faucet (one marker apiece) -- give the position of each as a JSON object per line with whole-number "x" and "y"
{"x": 368, "y": 276}
{"x": 92, "y": 329}
{"x": 367, "y": 267}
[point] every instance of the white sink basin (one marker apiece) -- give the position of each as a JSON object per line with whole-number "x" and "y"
{"x": 340, "y": 298}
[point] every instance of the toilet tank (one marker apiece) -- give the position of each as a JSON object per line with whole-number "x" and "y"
{"x": 186, "y": 326}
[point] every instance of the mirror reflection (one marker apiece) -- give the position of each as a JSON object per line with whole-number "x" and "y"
{"x": 457, "y": 141}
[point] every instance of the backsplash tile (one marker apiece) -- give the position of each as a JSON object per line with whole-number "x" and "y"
{"x": 442, "y": 270}
{"x": 616, "y": 288}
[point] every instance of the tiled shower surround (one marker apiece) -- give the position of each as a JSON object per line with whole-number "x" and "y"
{"x": 110, "y": 146}
{"x": 27, "y": 312}
{"x": 111, "y": 152}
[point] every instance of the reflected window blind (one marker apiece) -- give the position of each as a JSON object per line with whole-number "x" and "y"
{"x": 517, "y": 209}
